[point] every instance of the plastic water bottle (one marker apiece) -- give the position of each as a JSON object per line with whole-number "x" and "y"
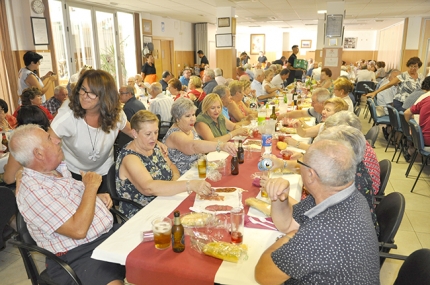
{"x": 266, "y": 144}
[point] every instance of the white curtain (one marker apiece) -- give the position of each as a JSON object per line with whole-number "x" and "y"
{"x": 390, "y": 46}
{"x": 201, "y": 36}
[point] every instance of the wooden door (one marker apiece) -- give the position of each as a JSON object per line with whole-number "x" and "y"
{"x": 157, "y": 58}
{"x": 166, "y": 55}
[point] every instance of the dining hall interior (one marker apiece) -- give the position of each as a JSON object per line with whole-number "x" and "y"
{"x": 115, "y": 36}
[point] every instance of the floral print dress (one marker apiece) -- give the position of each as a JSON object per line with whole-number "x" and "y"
{"x": 157, "y": 168}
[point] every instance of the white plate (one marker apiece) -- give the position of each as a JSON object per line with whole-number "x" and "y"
{"x": 233, "y": 199}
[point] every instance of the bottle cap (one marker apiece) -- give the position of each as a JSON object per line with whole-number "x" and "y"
{"x": 176, "y": 214}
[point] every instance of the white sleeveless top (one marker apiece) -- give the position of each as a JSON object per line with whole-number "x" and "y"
{"x": 22, "y": 76}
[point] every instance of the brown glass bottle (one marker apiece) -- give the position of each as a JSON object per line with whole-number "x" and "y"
{"x": 5, "y": 142}
{"x": 240, "y": 153}
{"x": 234, "y": 165}
{"x": 178, "y": 236}
{"x": 273, "y": 115}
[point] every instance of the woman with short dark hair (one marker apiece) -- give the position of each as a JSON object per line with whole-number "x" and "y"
{"x": 33, "y": 96}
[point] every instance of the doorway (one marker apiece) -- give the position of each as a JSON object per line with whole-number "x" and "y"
{"x": 163, "y": 56}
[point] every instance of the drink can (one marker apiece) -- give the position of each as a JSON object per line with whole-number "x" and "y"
{"x": 266, "y": 144}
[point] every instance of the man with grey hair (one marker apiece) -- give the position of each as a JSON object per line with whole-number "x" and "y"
{"x": 316, "y": 73}
{"x": 64, "y": 216}
{"x": 225, "y": 95}
{"x": 327, "y": 232}
{"x": 165, "y": 77}
{"x": 209, "y": 81}
{"x": 131, "y": 104}
{"x": 319, "y": 96}
{"x": 54, "y": 103}
{"x": 257, "y": 83}
{"x": 160, "y": 103}
{"x": 220, "y": 80}
{"x": 248, "y": 71}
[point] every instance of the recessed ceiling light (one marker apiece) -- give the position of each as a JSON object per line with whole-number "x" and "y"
{"x": 236, "y": 16}
{"x": 322, "y": 11}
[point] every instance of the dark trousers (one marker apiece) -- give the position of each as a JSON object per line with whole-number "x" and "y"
{"x": 103, "y": 186}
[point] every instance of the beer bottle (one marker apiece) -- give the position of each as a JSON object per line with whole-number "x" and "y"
{"x": 273, "y": 115}
{"x": 295, "y": 93}
{"x": 240, "y": 153}
{"x": 5, "y": 142}
{"x": 234, "y": 165}
{"x": 178, "y": 236}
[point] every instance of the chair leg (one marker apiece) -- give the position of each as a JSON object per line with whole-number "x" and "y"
{"x": 414, "y": 156}
{"x": 390, "y": 138}
{"x": 424, "y": 161}
{"x": 402, "y": 145}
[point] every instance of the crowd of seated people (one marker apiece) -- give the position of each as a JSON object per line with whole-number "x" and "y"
{"x": 89, "y": 118}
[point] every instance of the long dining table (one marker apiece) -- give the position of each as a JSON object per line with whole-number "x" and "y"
{"x": 146, "y": 265}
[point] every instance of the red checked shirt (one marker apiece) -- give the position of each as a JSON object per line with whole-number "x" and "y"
{"x": 372, "y": 165}
{"x": 47, "y": 202}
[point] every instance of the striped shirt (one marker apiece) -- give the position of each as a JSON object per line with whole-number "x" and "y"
{"x": 47, "y": 202}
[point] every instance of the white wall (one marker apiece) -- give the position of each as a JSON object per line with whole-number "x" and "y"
{"x": 413, "y": 34}
{"x": 181, "y": 32}
{"x": 366, "y": 40}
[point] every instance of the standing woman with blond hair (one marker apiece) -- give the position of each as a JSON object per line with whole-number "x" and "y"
{"x": 89, "y": 124}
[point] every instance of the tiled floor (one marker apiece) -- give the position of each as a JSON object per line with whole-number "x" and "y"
{"x": 414, "y": 232}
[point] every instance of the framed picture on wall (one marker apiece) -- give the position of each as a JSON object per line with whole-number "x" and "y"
{"x": 332, "y": 42}
{"x": 306, "y": 44}
{"x": 350, "y": 43}
{"x": 146, "y": 27}
{"x": 223, "y": 22}
{"x": 224, "y": 40}
{"x": 258, "y": 43}
{"x": 40, "y": 31}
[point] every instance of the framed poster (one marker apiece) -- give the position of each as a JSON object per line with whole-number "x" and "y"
{"x": 146, "y": 27}
{"x": 334, "y": 25}
{"x": 332, "y": 42}
{"x": 223, "y": 22}
{"x": 350, "y": 43}
{"x": 306, "y": 44}
{"x": 257, "y": 43}
{"x": 224, "y": 40}
{"x": 40, "y": 31}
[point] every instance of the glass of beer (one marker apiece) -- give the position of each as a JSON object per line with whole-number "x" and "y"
{"x": 162, "y": 229}
{"x": 201, "y": 166}
{"x": 237, "y": 219}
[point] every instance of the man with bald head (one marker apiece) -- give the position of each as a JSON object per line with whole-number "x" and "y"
{"x": 330, "y": 236}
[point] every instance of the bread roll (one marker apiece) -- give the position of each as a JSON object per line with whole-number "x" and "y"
{"x": 259, "y": 205}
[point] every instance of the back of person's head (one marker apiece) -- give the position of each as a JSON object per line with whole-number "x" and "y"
{"x": 209, "y": 72}
{"x": 30, "y": 57}
{"x": 175, "y": 83}
{"x": 200, "y": 52}
{"x": 29, "y": 94}
{"x": 268, "y": 72}
{"x": 32, "y": 115}
{"x": 343, "y": 118}
{"x": 156, "y": 87}
{"x": 424, "y": 86}
{"x": 348, "y": 134}
{"x": 246, "y": 83}
{"x": 102, "y": 84}
{"x": 221, "y": 90}
{"x": 130, "y": 90}
{"x": 333, "y": 161}
{"x": 166, "y": 74}
{"x": 327, "y": 71}
{"x": 235, "y": 86}
{"x": 343, "y": 84}
{"x": 4, "y": 106}
{"x": 284, "y": 71}
{"x": 338, "y": 103}
{"x": 209, "y": 100}
{"x": 180, "y": 107}
{"x": 243, "y": 77}
{"x": 141, "y": 117}
{"x": 59, "y": 88}
{"x": 258, "y": 72}
{"x": 322, "y": 94}
{"x": 218, "y": 71}
{"x": 380, "y": 64}
{"x": 240, "y": 70}
{"x": 196, "y": 81}
{"x": 22, "y": 143}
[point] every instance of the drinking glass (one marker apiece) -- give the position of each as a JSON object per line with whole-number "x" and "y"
{"x": 237, "y": 219}
{"x": 162, "y": 229}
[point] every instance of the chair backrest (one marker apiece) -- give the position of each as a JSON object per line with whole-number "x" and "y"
{"x": 417, "y": 135}
{"x": 365, "y": 86}
{"x": 111, "y": 185}
{"x": 389, "y": 214}
{"x": 415, "y": 269}
{"x": 385, "y": 166}
{"x": 393, "y": 114}
{"x": 372, "y": 109}
{"x": 372, "y": 135}
{"x": 405, "y": 126}
{"x": 163, "y": 127}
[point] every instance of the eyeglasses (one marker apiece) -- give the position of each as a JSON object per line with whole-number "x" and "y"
{"x": 308, "y": 166}
{"x": 90, "y": 95}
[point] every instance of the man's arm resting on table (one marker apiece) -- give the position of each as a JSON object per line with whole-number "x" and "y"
{"x": 77, "y": 226}
{"x": 266, "y": 272}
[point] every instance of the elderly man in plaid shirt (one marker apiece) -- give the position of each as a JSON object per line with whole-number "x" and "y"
{"x": 63, "y": 215}
{"x": 54, "y": 103}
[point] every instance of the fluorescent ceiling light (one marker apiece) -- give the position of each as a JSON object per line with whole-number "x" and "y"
{"x": 322, "y": 11}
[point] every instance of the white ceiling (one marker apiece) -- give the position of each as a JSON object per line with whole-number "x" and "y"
{"x": 360, "y": 14}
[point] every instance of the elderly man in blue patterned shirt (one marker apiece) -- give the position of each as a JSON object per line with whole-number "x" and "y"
{"x": 330, "y": 237}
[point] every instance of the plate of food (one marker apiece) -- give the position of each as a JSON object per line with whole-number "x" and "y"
{"x": 221, "y": 201}
{"x": 253, "y": 144}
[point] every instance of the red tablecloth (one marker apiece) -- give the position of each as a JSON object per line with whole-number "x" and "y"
{"x": 146, "y": 265}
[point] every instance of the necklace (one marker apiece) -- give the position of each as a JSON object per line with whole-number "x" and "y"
{"x": 94, "y": 154}
{"x": 187, "y": 133}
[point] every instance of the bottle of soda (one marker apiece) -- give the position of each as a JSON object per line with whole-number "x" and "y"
{"x": 234, "y": 165}
{"x": 178, "y": 236}
{"x": 240, "y": 153}
{"x": 266, "y": 144}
